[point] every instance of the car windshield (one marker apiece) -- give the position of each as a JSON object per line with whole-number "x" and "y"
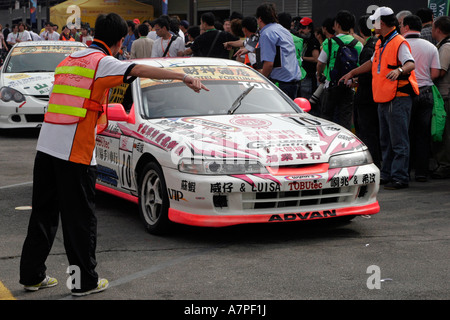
{"x": 229, "y": 93}
{"x": 37, "y": 58}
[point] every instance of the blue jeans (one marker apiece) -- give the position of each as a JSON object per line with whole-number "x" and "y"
{"x": 394, "y": 119}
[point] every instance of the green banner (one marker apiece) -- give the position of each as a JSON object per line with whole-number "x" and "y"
{"x": 439, "y": 7}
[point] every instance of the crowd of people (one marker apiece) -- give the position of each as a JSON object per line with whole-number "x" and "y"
{"x": 305, "y": 60}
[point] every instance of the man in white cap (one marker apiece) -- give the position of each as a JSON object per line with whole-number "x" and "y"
{"x": 394, "y": 84}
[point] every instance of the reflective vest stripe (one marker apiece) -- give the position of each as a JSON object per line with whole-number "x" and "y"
{"x": 68, "y": 110}
{"x": 79, "y": 71}
{"x": 73, "y": 91}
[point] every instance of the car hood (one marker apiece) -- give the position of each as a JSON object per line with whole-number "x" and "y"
{"x": 33, "y": 83}
{"x": 281, "y": 139}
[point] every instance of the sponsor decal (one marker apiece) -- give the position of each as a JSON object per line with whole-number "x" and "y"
{"x": 303, "y": 216}
{"x": 304, "y": 177}
{"x": 304, "y": 185}
{"x": 175, "y": 194}
{"x": 250, "y": 122}
{"x": 211, "y": 124}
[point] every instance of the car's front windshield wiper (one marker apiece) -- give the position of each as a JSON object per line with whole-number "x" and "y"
{"x": 237, "y": 103}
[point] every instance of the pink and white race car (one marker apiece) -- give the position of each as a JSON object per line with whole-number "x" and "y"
{"x": 241, "y": 153}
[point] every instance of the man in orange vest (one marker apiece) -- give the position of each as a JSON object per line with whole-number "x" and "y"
{"x": 65, "y": 166}
{"x": 394, "y": 84}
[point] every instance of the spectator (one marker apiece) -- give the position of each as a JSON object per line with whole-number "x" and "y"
{"x": 365, "y": 109}
{"x": 12, "y": 36}
{"x": 249, "y": 45}
{"x": 3, "y": 46}
{"x": 34, "y": 35}
{"x": 441, "y": 150}
{"x": 23, "y": 35}
{"x": 278, "y": 56}
{"x": 227, "y": 25}
{"x": 310, "y": 54}
{"x": 392, "y": 90}
{"x": 66, "y": 35}
{"x": 184, "y": 26}
{"x": 49, "y": 34}
{"x": 85, "y": 33}
{"x": 427, "y": 68}
{"x": 426, "y": 16}
{"x": 167, "y": 44}
{"x": 129, "y": 38}
{"x": 328, "y": 28}
{"x": 337, "y": 99}
{"x": 210, "y": 42}
{"x": 142, "y": 47}
{"x": 192, "y": 33}
{"x": 285, "y": 20}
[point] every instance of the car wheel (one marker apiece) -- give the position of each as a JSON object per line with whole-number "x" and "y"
{"x": 153, "y": 199}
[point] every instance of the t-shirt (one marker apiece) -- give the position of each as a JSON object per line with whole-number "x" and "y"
{"x": 204, "y": 41}
{"x": 277, "y": 46}
{"x": 309, "y": 45}
{"x": 443, "y": 83}
{"x": 76, "y": 142}
{"x": 426, "y": 56}
{"x": 160, "y": 45}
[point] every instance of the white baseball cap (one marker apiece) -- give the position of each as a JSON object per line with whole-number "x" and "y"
{"x": 381, "y": 11}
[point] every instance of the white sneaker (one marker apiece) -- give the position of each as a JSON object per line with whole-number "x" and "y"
{"x": 102, "y": 284}
{"x": 46, "y": 283}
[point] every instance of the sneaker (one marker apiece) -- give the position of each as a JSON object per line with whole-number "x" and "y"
{"x": 102, "y": 284}
{"x": 384, "y": 181}
{"x": 46, "y": 283}
{"x": 395, "y": 185}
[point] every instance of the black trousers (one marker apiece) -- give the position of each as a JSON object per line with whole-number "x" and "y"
{"x": 67, "y": 190}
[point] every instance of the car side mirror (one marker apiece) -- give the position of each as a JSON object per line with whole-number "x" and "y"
{"x": 303, "y": 104}
{"x": 116, "y": 112}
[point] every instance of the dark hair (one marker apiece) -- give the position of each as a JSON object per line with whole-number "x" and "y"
{"x": 362, "y": 25}
{"x": 425, "y": 14}
{"x": 131, "y": 24}
{"x": 174, "y": 25}
{"x": 267, "y": 12}
{"x": 110, "y": 28}
{"x": 345, "y": 19}
{"x": 236, "y": 15}
{"x": 285, "y": 19}
{"x": 390, "y": 20}
{"x": 163, "y": 22}
{"x": 328, "y": 24}
{"x": 208, "y": 18}
{"x": 236, "y": 28}
{"x": 413, "y": 22}
{"x": 143, "y": 30}
{"x": 443, "y": 23}
{"x": 250, "y": 23}
{"x": 194, "y": 31}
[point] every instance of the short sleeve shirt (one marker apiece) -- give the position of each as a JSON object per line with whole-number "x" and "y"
{"x": 277, "y": 46}
{"x": 443, "y": 83}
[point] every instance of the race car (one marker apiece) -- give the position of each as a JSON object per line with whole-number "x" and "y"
{"x": 240, "y": 153}
{"x": 26, "y": 81}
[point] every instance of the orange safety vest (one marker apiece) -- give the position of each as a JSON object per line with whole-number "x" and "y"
{"x": 385, "y": 60}
{"x": 71, "y": 95}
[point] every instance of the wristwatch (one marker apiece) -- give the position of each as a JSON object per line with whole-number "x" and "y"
{"x": 401, "y": 70}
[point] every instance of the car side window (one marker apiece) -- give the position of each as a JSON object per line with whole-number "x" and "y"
{"x": 122, "y": 94}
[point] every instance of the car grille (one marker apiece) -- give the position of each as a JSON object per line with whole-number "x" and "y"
{"x": 300, "y": 199}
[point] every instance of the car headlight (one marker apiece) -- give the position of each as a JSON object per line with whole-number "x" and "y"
{"x": 351, "y": 159}
{"x": 220, "y": 167}
{"x": 7, "y": 94}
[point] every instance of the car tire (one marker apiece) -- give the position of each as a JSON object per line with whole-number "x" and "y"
{"x": 153, "y": 200}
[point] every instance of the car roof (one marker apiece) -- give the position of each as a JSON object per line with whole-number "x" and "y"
{"x": 50, "y": 43}
{"x": 187, "y": 61}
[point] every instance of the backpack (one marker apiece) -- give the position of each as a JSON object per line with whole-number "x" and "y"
{"x": 346, "y": 59}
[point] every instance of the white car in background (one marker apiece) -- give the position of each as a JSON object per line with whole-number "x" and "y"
{"x": 241, "y": 153}
{"x": 26, "y": 80}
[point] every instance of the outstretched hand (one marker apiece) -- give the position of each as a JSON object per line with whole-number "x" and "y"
{"x": 194, "y": 84}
